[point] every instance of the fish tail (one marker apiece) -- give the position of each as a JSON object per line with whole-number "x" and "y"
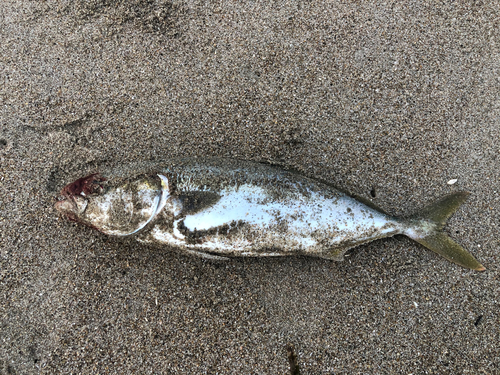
{"x": 427, "y": 230}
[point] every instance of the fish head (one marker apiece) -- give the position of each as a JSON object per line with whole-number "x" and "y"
{"x": 114, "y": 207}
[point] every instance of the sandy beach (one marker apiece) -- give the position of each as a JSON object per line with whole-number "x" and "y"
{"x": 389, "y": 101}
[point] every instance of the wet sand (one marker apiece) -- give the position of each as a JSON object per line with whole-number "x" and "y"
{"x": 388, "y": 101}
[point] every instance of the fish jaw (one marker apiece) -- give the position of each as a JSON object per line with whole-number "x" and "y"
{"x": 74, "y": 203}
{"x": 72, "y": 207}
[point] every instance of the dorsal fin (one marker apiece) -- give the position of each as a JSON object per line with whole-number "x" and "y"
{"x": 368, "y": 202}
{"x": 359, "y": 198}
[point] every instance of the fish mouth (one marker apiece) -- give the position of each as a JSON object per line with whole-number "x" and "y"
{"x": 65, "y": 206}
{"x": 74, "y": 202}
{"x": 72, "y": 207}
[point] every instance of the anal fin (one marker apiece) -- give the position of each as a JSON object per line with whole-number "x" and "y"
{"x": 204, "y": 255}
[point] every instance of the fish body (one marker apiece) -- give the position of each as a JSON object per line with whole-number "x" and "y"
{"x": 224, "y": 207}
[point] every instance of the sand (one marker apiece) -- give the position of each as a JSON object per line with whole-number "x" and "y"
{"x": 388, "y": 101}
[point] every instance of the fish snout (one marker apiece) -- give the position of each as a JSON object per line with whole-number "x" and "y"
{"x": 71, "y": 206}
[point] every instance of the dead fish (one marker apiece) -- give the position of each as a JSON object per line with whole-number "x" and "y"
{"x": 220, "y": 207}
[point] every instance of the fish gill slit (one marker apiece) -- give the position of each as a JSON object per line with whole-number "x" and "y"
{"x": 165, "y": 194}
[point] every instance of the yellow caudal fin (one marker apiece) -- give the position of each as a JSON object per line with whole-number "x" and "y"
{"x": 443, "y": 245}
{"x": 438, "y": 241}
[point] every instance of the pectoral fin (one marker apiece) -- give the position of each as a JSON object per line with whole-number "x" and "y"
{"x": 196, "y": 201}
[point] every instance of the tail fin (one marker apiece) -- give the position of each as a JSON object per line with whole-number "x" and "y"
{"x": 437, "y": 241}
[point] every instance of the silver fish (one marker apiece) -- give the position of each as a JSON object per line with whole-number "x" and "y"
{"x": 221, "y": 207}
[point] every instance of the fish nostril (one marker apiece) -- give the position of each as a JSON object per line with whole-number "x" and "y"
{"x": 373, "y": 192}
{"x": 3, "y": 143}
